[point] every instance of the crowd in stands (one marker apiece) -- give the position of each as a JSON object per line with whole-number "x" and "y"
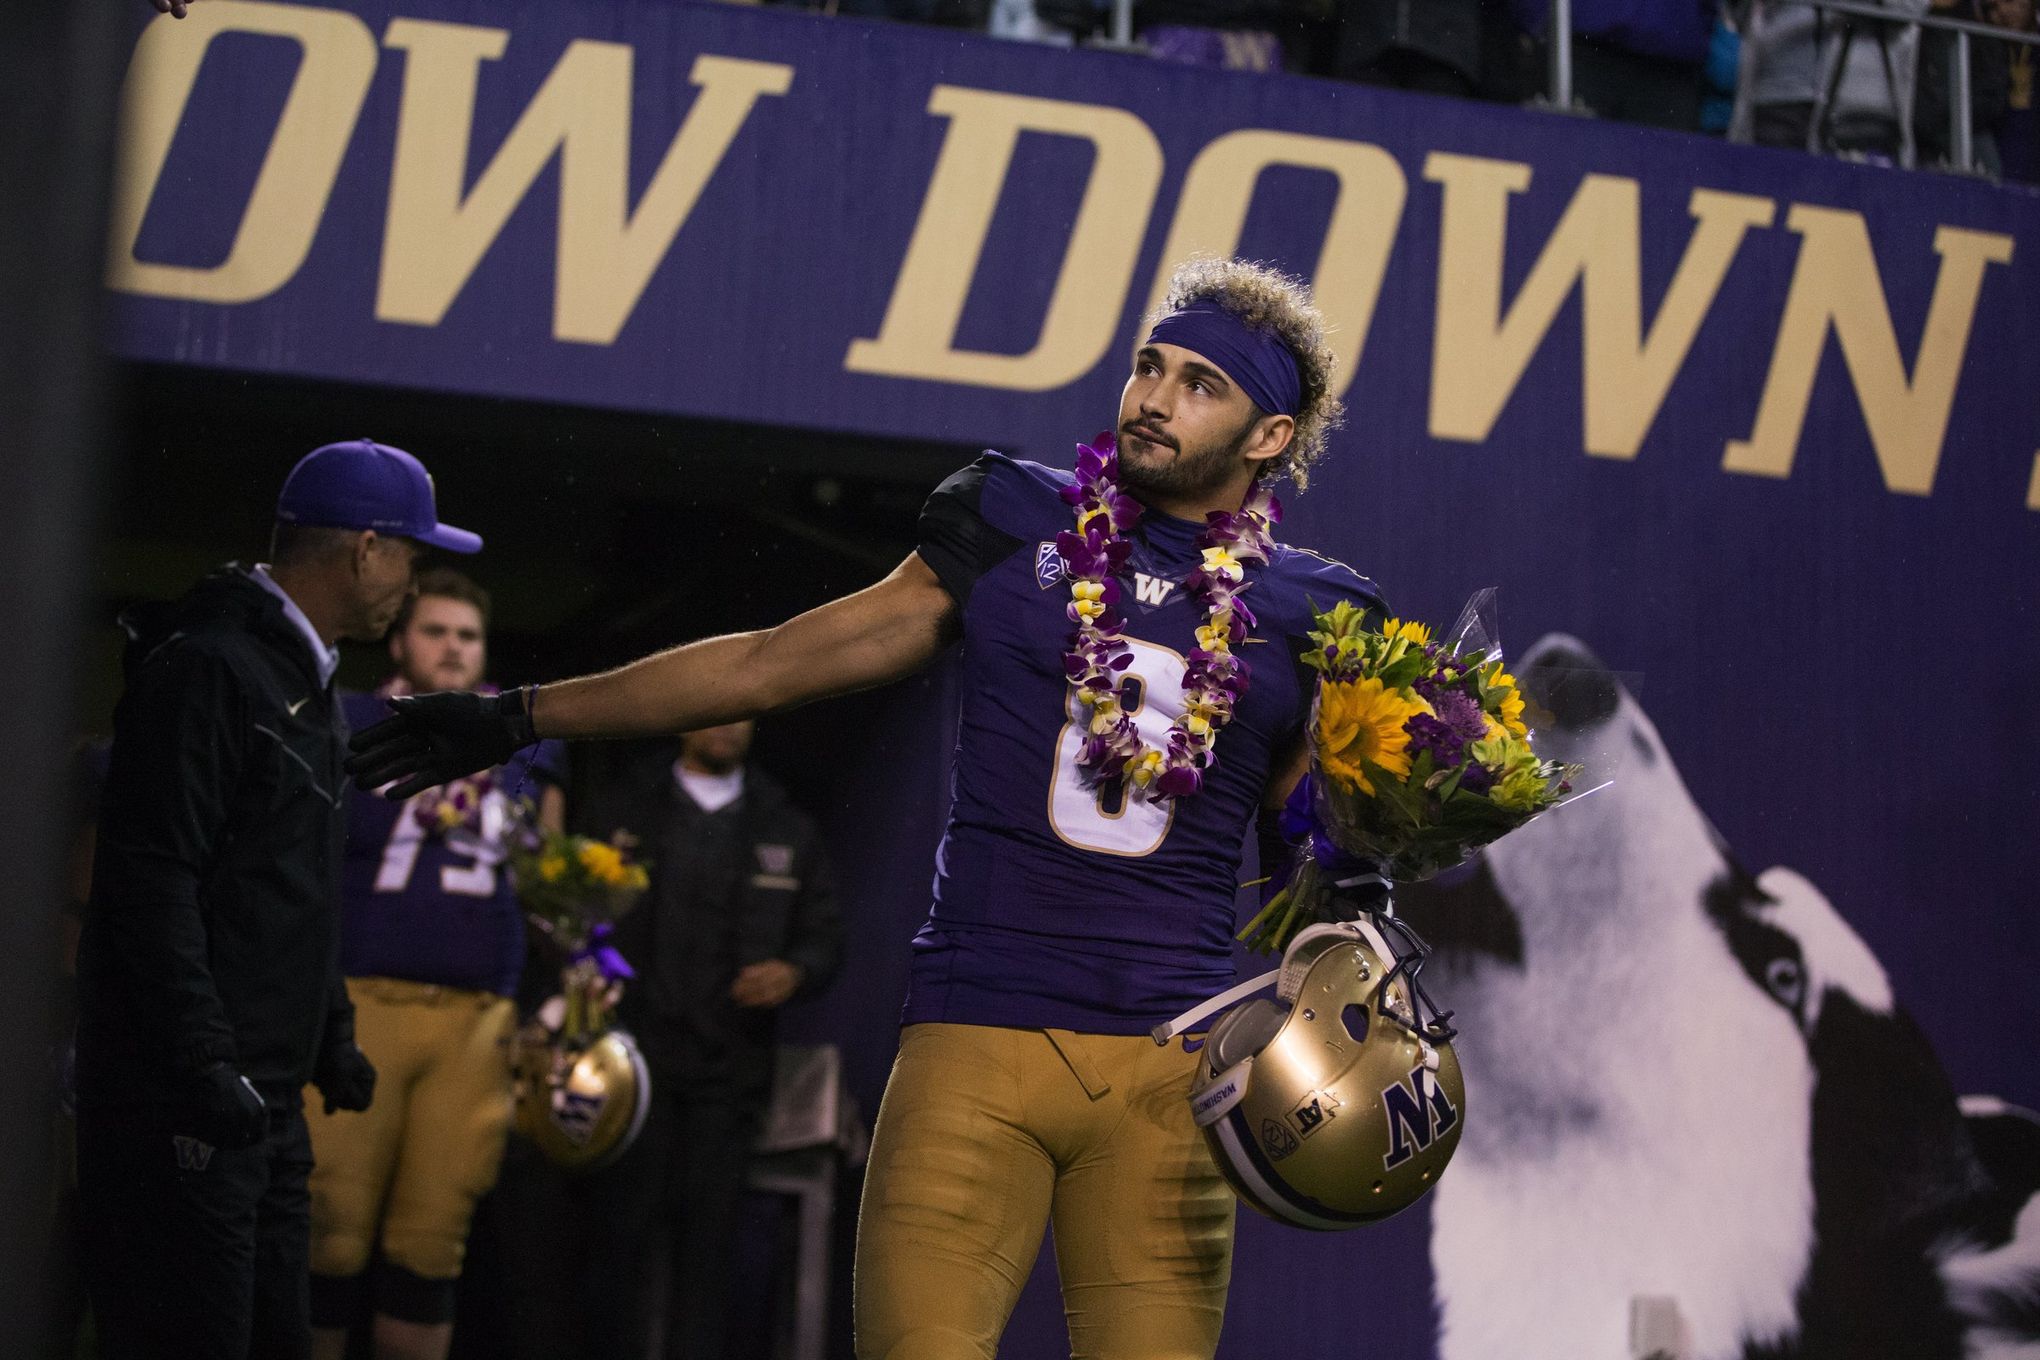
{"x": 1773, "y": 72}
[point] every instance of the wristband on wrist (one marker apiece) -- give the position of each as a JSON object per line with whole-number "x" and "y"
{"x": 517, "y": 705}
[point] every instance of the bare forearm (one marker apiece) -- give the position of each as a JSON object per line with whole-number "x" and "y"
{"x": 699, "y": 685}
{"x": 875, "y": 636}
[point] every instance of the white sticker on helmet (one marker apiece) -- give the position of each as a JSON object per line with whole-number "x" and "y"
{"x": 1211, "y": 1104}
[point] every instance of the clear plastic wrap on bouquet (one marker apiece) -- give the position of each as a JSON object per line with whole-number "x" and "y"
{"x": 1422, "y": 753}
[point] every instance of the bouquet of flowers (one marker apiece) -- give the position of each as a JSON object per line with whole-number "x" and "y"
{"x": 574, "y": 889}
{"x": 1420, "y": 756}
{"x": 582, "y": 1085}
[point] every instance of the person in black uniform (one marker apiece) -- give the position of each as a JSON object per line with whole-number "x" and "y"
{"x": 740, "y": 918}
{"x": 209, "y": 987}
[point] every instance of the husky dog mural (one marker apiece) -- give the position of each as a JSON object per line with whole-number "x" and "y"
{"x": 1694, "y": 1084}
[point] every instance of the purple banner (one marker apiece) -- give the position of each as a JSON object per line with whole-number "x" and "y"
{"x": 1758, "y": 428}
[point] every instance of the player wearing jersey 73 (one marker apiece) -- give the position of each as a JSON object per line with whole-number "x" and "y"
{"x": 1118, "y": 733}
{"x": 432, "y": 943}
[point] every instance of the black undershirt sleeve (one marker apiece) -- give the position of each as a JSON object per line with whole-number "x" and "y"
{"x": 956, "y": 542}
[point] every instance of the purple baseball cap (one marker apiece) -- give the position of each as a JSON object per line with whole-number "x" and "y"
{"x": 365, "y": 485}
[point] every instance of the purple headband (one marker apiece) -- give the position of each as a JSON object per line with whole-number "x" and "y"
{"x": 1261, "y": 364}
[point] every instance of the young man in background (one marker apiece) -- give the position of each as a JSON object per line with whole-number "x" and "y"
{"x": 432, "y": 943}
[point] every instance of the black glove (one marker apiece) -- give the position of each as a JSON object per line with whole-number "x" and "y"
{"x": 225, "y": 1109}
{"x": 345, "y": 1077}
{"x": 434, "y": 739}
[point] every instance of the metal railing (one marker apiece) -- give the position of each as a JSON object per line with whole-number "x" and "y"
{"x": 1961, "y": 132}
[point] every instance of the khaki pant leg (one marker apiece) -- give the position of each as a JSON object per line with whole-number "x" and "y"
{"x": 956, "y": 1196}
{"x": 453, "y": 1143}
{"x": 1143, "y": 1219}
{"x": 354, "y": 1154}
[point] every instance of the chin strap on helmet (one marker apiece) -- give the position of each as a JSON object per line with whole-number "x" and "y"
{"x": 1197, "y": 1014}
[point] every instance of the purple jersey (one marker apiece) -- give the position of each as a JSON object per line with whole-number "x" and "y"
{"x": 437, "y": 908}
{"x": 1058, "y": 905}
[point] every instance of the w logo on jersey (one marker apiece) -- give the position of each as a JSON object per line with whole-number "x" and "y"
{"x": 1152, "y": 589}
{"x": 1419, "y": 1112}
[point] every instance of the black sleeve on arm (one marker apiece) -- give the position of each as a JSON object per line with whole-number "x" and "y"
{"x": 339, "y": 1028}
{"x": 179, "y": 743}
{"x": 956, "y": 542}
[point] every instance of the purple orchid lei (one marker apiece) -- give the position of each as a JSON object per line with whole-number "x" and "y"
{"x": 451, "y": 807}
{"x": 1093, "y": 555}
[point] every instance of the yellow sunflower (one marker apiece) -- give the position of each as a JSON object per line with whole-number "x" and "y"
{"x": 1507, "y": 701}
{"x": 1412, "y": 632}
{"x": 1362, "y": 720}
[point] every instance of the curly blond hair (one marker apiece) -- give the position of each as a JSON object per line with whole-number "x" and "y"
{"x": 1267, "y": 299}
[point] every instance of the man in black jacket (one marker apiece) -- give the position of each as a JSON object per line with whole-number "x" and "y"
{"x": 740, "y": 918}
{"x": 208, "y": 964}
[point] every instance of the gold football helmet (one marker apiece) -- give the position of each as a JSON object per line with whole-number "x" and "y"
{"x": 1339, "y": 1101}
{"x": 582, "y": 1104}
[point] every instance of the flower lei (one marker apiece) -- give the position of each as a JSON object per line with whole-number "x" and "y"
{"x": 459, "y": 806}
{"x": 1093, "y": 555}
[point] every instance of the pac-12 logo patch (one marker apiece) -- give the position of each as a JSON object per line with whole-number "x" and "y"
{"x": 1048, "y": 564}
{"x": 1279, "y": 1141}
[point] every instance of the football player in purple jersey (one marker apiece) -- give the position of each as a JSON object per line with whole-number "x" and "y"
{"x": 1075, "y": 906}
{"x": 432, "y": 943}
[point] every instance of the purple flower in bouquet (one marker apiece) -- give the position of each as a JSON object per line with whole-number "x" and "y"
{"x": 1449, "y": 677}
{"x": 1455, "y": 722}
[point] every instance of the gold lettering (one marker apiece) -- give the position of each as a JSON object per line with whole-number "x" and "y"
{"x": 917, "y": 337}
{"x": 1836, "y": 284}
{"x": 1219, "y": 190}
{"x": 607, "y": 253}
{"x": 283, "y": 210}
{"x": 1480, "y": 352}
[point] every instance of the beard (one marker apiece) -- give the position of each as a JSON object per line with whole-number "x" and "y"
{"x": 1149, "y": 471}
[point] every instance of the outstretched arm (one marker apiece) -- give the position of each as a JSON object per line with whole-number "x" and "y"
{"x": 863, "y": 640}
{"x": 879, "y": 634}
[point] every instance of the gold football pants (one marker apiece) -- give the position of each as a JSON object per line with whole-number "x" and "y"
{"x": 987, "y": 1134}
{"x": 430, "y": 1144}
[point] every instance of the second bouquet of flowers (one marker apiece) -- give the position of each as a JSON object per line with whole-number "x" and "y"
{"x": 583, "y": 1087}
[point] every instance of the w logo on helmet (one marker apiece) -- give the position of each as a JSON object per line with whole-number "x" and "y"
{"x": 1419, "y": 1112}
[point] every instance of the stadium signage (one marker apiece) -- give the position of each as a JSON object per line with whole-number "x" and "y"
{"x": 449, "y": 195}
